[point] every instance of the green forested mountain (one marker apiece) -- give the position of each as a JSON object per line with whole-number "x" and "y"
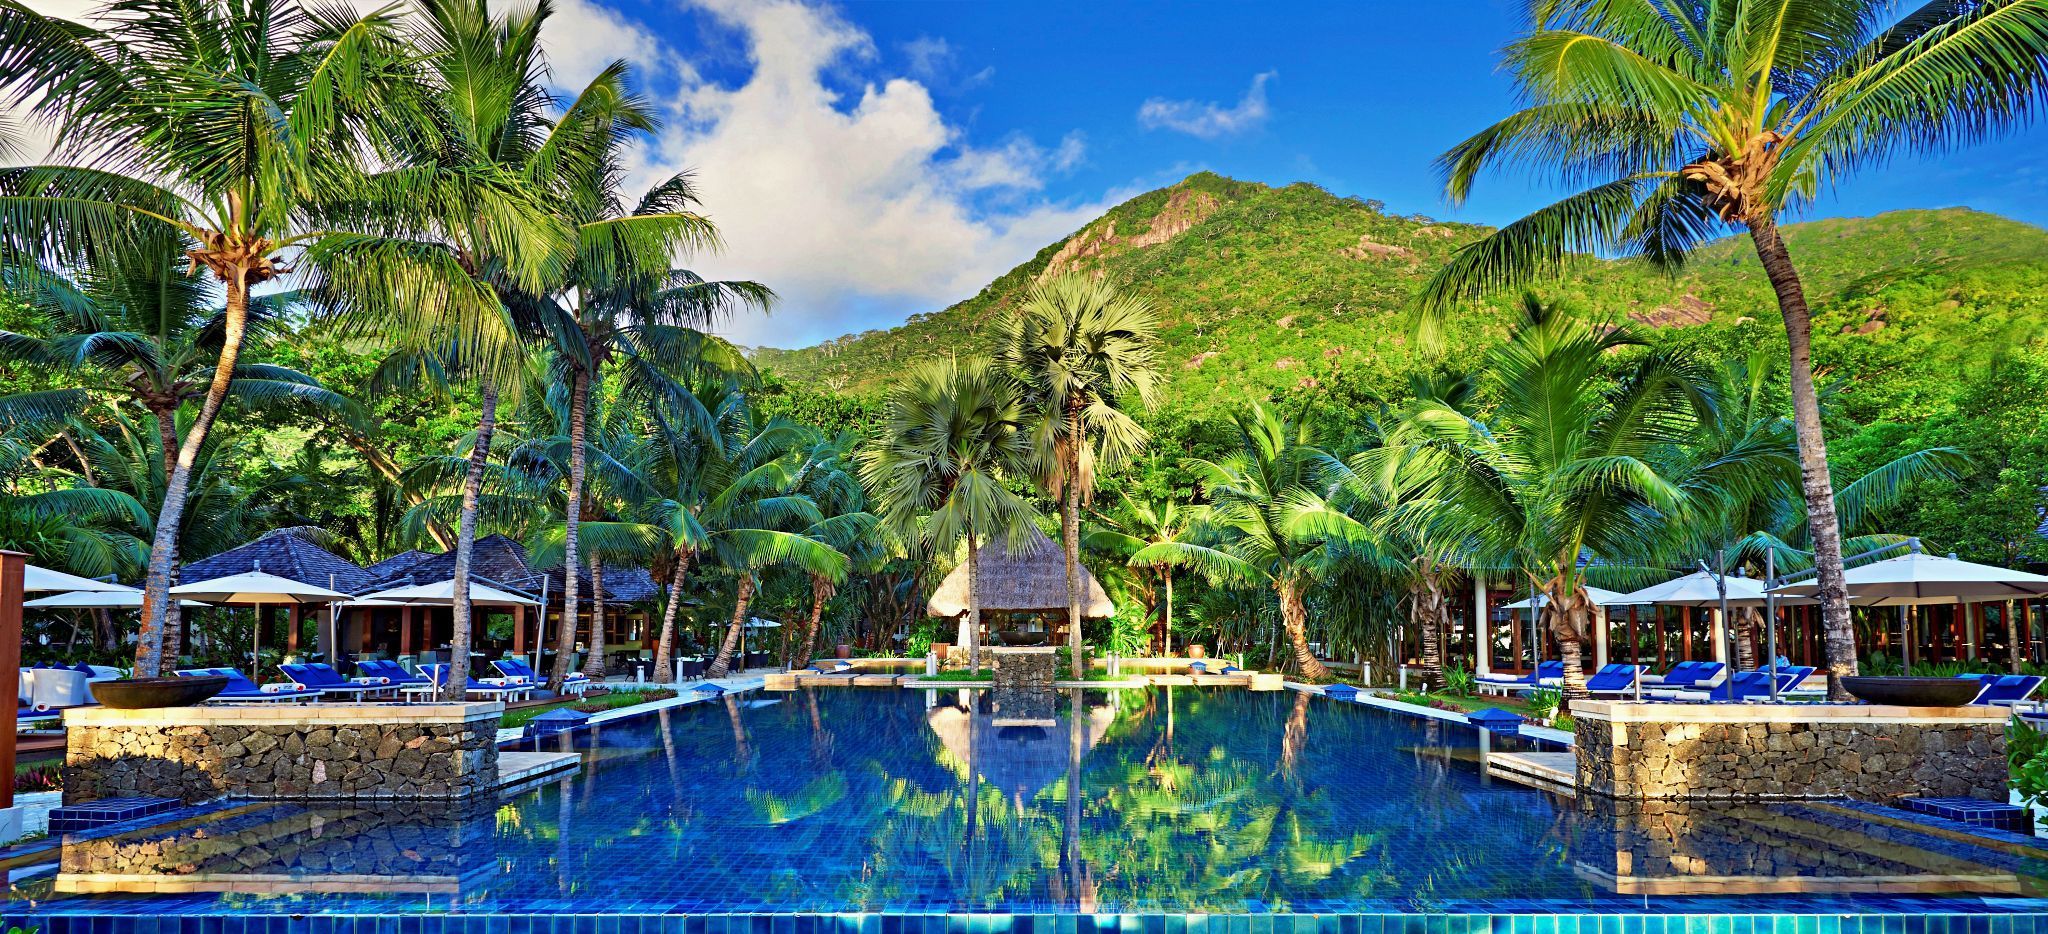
{"x": 1928, "y": 332}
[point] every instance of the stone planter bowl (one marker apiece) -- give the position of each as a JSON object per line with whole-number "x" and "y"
{"x": 1914, "y": 692}
{"x": 146, "y": 693}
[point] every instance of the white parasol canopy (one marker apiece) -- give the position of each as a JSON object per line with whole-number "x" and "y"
{"x": 44, "y": 580}
{"x": 1918, "y": 578}
{"x": 97, "y": 599}
{"x": 1601, "y": 597}
{"x": 1697, "y": 590}
{"x": 759, "y": 623}
{"x": 443, "y": 594}
{"x": 257, "y": 587}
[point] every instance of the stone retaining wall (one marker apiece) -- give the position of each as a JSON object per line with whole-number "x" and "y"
{"x": 1749, "y": 751}
{"x": 1024, "y": 668}
{"x": 319, "y": 751}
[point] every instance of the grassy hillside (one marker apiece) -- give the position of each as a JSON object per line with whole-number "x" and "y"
{"x": 1271, "y": 291}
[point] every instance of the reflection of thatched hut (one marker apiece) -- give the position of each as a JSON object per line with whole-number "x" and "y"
{"x": 1018, "y": 760}
{"x": 1021, "y": 592}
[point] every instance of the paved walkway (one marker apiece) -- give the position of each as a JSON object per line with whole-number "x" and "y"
{"x": 744, "y": 681}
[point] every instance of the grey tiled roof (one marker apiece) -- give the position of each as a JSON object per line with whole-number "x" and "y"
{"x": 284, "y": 553}
{"x": 502, "y": 560}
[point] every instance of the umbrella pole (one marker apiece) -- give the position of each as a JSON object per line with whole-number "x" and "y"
{"x": 1771, "y": 616}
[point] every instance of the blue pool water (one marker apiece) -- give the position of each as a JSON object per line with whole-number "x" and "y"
{"x": 1164, "y": 801}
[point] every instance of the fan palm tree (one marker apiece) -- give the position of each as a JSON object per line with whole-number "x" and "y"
{"x": 1144, "y": 522}
{"x": 1569, "y": 462}
{"x": 1692, "y": 119}
{"x": 1082, "y": 350}
{"x": 1250, "y": 532}
{"x": 245, "y": 129}
{"x": 953, "y": 432}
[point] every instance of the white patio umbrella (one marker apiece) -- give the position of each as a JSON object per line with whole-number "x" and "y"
{"x": 1918, "y": 578}
{"x": 255, "y": 588}
{"x": 44, "y": 580}
{"x": 443, "y": 594}
{"x": 1601, "y": 597}
{"x": 97, "y": 599}
{"x": 1697, "y": 590}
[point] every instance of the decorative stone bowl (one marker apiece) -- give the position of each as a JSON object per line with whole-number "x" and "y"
{"x": 145, "y": 693}
{"x": 1914, "y": 692}
{"x": 1018, "y": 639}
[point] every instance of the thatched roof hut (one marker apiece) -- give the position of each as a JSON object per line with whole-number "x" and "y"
{"x": 289, "y": 553}
{"x": 1033, "y": 579}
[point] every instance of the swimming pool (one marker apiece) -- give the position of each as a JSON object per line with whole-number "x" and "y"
{"x": 841, "y": 802}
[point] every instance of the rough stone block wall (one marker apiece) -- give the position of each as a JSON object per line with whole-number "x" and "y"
{"x": 434, "y": 838}
{"x": 1016, "y": 668}
{"x": 1864, "y": 760}
{"x": 282, "y": 759}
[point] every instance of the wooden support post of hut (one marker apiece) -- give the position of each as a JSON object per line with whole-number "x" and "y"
{"x": 1023, "y": 595}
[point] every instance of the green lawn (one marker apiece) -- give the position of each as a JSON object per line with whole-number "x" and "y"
{"x": 1468, "y": 702}
{"x": 595, "y": 704}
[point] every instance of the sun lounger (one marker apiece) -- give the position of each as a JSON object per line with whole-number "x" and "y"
{"x": 2008, "y": 690}
{"x": 242, "y": 690}
{"x": 1545, "y": 675}
{"x": 392, "y": 672}
{"x": 517, "y": 671}
{"x": 436, "y": 675}
{"x": 1743, "y": 686}
{"x": 1614, "y": 679}
{"x": 331, "y": 684}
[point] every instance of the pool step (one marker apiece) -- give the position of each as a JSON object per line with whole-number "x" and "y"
{"x": 1547, "y": 771}
{"x": 93, "y": 815}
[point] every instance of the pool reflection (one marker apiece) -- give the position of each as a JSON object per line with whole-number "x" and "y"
{"x": 1171, "y": 800}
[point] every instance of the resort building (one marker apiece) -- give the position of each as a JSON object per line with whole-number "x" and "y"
{"x": 1023, "y": 595}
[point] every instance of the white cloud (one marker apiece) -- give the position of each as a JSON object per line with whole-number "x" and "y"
{"x": 858, "y": 209}
{"x": 582, "y": 38}
{"x": 1209, "y": 120}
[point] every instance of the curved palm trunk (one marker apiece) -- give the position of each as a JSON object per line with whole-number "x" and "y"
{"x": 593, "y": 663}
{"x": 1070, "y": 539}
{"x": 821, "y": 591}
{"x": 163, "y": 548}
{"x": 1294, "y": 617}
{"x": 1748, "y": 621}
{"x": 1816, "y": 483}
{"x": 722, "y": 665}
{"x": 565, "y": 642}
{"x": 973, "y": 600}
{"x": 665, "y": 647}
{"x": 460, "y": 612}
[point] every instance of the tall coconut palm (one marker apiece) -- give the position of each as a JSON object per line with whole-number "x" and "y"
{"x": 233, "y": 126}
{"x": 134, "y": 327}
{"x": 1083, "y": 351}
{"x": 826, "y": 474}
{"x": 1693, "y": 119}
{"x": 953, "y": 433}
{"x": 1144, "y": 522}
{"x": 623, "y": 300}
{"x": 1249, "y": 534}
{"x": 1569, "y": 462}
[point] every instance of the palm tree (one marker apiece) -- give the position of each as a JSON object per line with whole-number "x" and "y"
{"x": 953, "y": 432}
{"x": 1691, "y": 119}
{"x": 1570, "y": 462}
{"x": 133, "y": 326}
{"x": 1083, "y": 351}
{"x": 1144, "y": 522}
{"x": 623, "y": 300}
{"x": 239, "y": 128}
{"x": 1249, "y": 532}
{"x": 826, "y": 474}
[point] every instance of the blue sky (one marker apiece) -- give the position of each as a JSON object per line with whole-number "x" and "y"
{"x": 873, "y": 160}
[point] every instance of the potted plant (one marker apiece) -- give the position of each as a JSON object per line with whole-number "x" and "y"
{"x": 1543, "y": 705}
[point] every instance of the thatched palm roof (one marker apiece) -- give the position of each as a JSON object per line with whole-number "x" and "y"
{"x": 1032, "y": 579}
